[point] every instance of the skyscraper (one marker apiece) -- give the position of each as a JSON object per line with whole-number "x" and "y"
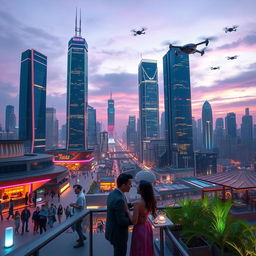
{"x": 77, "y": 91}
{"x": 162, "y": 126}
{"x": 199, "y": 134}
{"x": 32, "y": 101}
{"x": 52, "y": 132}
{"x": 178, "y": 118}
{"x": 111, "y": 120}
{"x": 207, "y": 126}
{"x": 230, "y": 125}
{"x": 10, "y": 118}
{"x": 148, "y": 104}
{"x": 92, "y": 136}
{"x": 231, "y": 135}
{"x": 131, "y": 134}
{"x": 219, "y": 139}
{"x": 194, "y": 129}
{"x": 247, "y": 128}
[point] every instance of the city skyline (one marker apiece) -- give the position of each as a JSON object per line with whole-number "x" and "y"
{"x": 224, "y": 88}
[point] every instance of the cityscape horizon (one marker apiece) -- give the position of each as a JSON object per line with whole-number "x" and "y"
{"x": 223, "y": 88}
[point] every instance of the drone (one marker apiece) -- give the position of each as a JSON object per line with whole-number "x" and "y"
{"x": 189, "y": 48}
{"x": 232, "y": 57}
{"x": 139, "y": 32}
{"x": 215, "y": 68}
{"x": 231, "y": 29}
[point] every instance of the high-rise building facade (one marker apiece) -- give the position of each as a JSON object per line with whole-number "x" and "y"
{"x": 52, "y": 129}
{"x": 178, "y": 117}
{"x": 103, "y": 143}
{"x": 131, "y": 134}
{"x": 111, "y": 119}
{"x": 207, "y": 126}
{"x": 92, "y": 133}
{"x": 162, "y": 126}
{"x": 231, "y": 135}
{"x": 247, "y": 128}
{"x": 32, "y": 101}
{"x": 219, "y": 138}
{"x": 194, "y": 129}
{"x": 148, "y": 104}
{"x": 10, "y": 118}
{"x": 77, "y": 91}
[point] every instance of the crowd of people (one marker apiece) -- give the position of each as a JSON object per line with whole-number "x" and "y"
{"x": 41, "y": 216}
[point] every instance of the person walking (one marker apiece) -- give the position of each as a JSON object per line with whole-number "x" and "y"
{"x": 16, "y": 222}
{"x": 59, "y": 213}
{"x": 67, "y": 212}
{"x": 78, "y": 206}
{"x": 10, "y": 209}
{"x": 35, "y": 219}
{"x": 25, "y": 215}
{"x": 51, "y": 215}
{"x": 43, "y": 214}
{"x": 1, "y": 210}
{"x": 117, "y": 217}
{"x": 58, "y": 196}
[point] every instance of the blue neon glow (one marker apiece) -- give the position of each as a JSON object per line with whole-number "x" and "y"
{"x": 8, "y": 237}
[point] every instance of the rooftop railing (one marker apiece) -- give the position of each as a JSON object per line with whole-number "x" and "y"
{"x": 33, "y": 248}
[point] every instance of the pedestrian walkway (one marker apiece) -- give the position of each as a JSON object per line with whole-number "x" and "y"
{"x": 67, "y": 197}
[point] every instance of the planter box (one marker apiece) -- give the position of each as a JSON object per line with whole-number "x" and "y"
{"x": 196, "y": 247}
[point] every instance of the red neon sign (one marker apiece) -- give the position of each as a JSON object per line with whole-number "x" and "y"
{"x": 22, "y": 184}
{"x": 73, "y": 161}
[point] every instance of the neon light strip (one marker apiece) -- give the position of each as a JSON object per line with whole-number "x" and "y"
{"x": 22, "y": 184}
{"x": 74, "y": 161}
{"x": 33, "y": 100}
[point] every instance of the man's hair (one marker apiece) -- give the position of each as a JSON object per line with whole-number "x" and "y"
{"x": 78, "y": 186}
{"x": 123, "y": 179}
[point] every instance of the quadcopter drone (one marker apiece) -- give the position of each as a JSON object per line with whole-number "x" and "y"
{"x": 215, "y": 68}
{"x": 231, "y": 29}
{"x": 232, "y": 57}
{"x": 189, "y": 48}
{"x": 139, "y": 32}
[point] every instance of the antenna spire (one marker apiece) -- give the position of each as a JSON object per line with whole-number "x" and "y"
{"x": 76, "y": 24}
{"x": 111, "y": 94}
{"x": 80, "y": 27}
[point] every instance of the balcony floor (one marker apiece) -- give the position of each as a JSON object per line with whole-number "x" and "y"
{"x": 63, "y": 245}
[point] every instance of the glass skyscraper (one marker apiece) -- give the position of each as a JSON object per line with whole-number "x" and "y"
{"x": 77, "y": 91}
{"x": 92, "y": 132}
{"x": 207, "y": 126}
{"x": 178, "y": 118}
{"x": 111, "y": 119}
{"x": 148, "y": 104}
{"x": 10, "y": 119}
{"x": 131, "y": 134}
{"x": 32, "y": 101}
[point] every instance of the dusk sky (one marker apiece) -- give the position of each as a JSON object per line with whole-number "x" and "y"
{"x": 114, "y": 54}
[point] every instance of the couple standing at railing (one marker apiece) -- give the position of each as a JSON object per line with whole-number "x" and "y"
{"x": 119, "y": 218}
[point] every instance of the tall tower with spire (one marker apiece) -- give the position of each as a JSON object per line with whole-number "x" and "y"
{"x": 111, "y": 119}
{"x": 77, "y": 90}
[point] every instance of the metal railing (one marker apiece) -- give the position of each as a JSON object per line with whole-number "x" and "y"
{"x": 33, "y": 248}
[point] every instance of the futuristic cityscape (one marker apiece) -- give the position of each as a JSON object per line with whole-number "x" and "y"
{"x": 101, "y": 100}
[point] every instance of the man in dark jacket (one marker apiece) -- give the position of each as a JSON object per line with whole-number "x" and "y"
{"x": 25, "y": 215}
{"x": 117, "y": 219}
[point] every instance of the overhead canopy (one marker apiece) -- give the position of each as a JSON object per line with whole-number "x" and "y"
{"x": 232, "y": 179}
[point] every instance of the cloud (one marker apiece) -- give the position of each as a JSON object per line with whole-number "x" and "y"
{"x": 249, "y": 40}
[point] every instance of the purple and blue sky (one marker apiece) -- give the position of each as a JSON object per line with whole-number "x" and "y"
{"x": 114, "y": 54}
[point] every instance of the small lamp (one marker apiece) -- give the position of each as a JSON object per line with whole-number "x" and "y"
{"x": 8, "y": 242}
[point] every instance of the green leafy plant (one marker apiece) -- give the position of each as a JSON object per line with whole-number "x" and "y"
{"x": 211, "y": 219}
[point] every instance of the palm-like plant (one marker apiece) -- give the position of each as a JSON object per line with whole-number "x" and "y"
{"x": 211, "y": 220}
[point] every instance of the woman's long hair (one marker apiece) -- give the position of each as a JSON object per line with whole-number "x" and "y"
{"x": 147, "y": 194}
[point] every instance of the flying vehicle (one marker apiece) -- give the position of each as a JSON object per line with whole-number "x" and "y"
{"x": 189, "y": 48}
{"x": 139, "y": 32}
{"x": 232, "y": 57}
{"x": 231, "y": 29}
{"x": 215, "y": 68}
